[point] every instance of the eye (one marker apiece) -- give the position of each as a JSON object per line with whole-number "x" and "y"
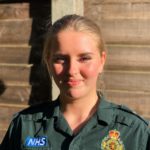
{"x": 59, "y": 59}
{"x": 85, "y": 58}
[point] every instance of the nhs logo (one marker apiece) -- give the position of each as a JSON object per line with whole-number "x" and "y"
{"x": 40, "y": 141}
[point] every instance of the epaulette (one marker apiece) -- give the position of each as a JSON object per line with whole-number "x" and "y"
{"x": 129, "y": 111}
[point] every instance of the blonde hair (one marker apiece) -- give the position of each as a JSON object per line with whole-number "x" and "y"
{"x": 76, "y": 23}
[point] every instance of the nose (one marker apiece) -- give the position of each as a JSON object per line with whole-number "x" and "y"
{"x": 72, "y": 67}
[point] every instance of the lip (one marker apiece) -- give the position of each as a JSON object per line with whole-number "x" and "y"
{"x": 73, "y": 82}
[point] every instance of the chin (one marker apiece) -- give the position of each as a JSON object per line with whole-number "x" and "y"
{"x": 75, "y": 94}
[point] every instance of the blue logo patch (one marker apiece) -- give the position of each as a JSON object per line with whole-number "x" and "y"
{"x": 40, "y": 141}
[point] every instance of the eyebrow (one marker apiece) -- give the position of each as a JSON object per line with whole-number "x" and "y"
{"x": 59, "y": 54}
{"x": 86, "y": 53}
{"x": 65, "y": 55}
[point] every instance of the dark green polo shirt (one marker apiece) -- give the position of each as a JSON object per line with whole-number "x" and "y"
{"x": 43, "y": 127}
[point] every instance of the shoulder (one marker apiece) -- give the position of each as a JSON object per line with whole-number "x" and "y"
{"x": 137, "y": 124}
{"x": 127, "y": 117}
{"x": 37, "y": 111}
{"x": 133, "y": 124}
{"x": 125, "y": 113}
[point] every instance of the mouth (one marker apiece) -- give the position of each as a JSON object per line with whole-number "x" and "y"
{"x": 73, "y": 82}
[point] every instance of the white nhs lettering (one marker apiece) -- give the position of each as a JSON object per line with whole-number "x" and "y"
{"x": 35, "y": 142}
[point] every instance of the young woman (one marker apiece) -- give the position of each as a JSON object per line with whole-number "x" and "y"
{"x": 81, "y": 118}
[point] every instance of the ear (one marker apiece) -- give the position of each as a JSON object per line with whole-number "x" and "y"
{"x": 102, "y": 61}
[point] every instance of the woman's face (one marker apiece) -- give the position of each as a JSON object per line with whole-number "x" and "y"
{"x": 76, "y": 63}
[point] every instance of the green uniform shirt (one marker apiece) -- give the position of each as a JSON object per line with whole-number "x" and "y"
{"x": 43, "y": 127}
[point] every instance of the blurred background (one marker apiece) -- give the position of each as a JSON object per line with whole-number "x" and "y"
{"x": 24, "y": 80}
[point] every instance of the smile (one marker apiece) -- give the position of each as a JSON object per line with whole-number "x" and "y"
{"x": 73, "y": 82}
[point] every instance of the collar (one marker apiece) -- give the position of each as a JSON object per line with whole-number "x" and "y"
{"x": 105, "y": 111}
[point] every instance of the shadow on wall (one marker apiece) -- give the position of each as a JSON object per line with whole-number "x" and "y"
{"x": 39, "y": 79}
{"x": 40, "y": 13}
{"x": 2, "y": 87}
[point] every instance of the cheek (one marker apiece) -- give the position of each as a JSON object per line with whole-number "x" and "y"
{"x": 91, "y": 70}
{"x": 57, "y": 69}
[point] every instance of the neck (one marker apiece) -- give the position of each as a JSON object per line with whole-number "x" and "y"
{"x": 78, "y": 111}
{"x": 80, "y": 105}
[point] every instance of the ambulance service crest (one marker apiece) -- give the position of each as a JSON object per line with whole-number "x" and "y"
{"x": 112, "y": 141}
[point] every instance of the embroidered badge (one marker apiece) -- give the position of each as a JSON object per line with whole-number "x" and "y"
{"x": 112, "y": 141}
{"x": 36, "y": 141}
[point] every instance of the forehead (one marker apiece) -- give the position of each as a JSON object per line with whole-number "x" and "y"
{"x": 76, "y": 39}
{"x": 74, "y": 43}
